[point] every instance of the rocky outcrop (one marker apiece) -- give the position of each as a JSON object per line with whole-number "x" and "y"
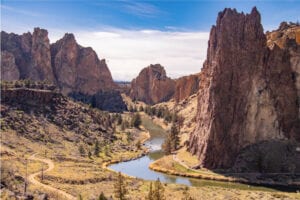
{"x": 247, "y": 92}
{"x": 152, "y": 85}
{"x": 9, "y": 69}
{"x": 65, "y": 63}
{"x": 186, "y": 86}
{"x": 71, "y": 67}
{"x": 78, "y": 69}
{"x": 31, "y": 53}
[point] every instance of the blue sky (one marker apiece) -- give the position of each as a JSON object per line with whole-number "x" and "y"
{"x": 133, "y": 34}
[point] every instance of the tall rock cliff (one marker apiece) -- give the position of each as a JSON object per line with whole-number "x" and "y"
{"x": 75, "y": 70}
{"x": 31, "y": 53}
{"x": 65, "y": 63}
{"x": 152, "y": 85}
{"x": 247, "y": 92}
{"x": 186, "y": 86}
{"x": 78, "y": 69}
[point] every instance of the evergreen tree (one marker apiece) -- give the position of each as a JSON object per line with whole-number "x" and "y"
{"x": 150, "y": 194}
{"x": 141, "y": 109}
{"x": 159, "y": 191}
{"x": 90, "y": 154}
{"x": 81, "y": 150}
{"x": 102, "y": 196}
{"x": 120, "y": 189}
{"x": 138, "y": 144}
{"x": 167, "y": 145}
{"x": 174, "y": 137}
{"x": 119, "y": 119}
{"x": 97, "y": 148}
{"x": 136, "y": 120}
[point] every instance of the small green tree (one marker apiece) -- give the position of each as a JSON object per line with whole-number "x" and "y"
{"x": 97, "y": 148}
{"x": 167, "y": 145}
{"x": 150, "y": 193}
{"x": 90, "y": 155}
{"x": 120, "y": 189}
{"x": 174, "y": 137}
{"x": 136, "y": 120}
{"x": 141, "y": 109}
{"x": 102, "y": 196}
{"x": 159, "y": 191}
{"x": 81, "y": 150}
{"x": 138, "y": 144}
{"x": 119, "y": 119}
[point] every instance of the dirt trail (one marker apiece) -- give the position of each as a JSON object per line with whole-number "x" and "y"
{"x": 31, "y": 178}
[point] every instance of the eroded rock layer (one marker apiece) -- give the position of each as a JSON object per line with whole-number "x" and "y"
{"x": 248, "y": 93}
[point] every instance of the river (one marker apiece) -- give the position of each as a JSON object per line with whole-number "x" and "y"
{"x": 140, "y": 167}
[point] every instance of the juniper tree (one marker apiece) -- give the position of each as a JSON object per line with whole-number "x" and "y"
{"x": 136, "y": 120}
{"x": 102, "y": 196}
{"x": 81, "y": 150}
{"x": 174, "y": 137}
{"x": 150, "y": 193}
{"x": 159, "y": 191}
{"x": 97, "y": 148}
{"x": 120, "y": 189}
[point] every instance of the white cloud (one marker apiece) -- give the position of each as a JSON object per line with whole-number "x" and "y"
{"x": 129, "y": 51}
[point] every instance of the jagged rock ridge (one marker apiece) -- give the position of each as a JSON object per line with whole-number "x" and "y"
{"x": 75, "y": 70}
{"x": 65, "y": 63}
{"x": 247, "y": 92}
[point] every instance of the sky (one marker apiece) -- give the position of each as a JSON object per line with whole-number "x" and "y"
{"x": 131, "y": 35}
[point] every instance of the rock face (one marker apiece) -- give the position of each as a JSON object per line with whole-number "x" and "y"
{"x": 186, "y": 86}
{"x": 9, "y": 69}
{"x": 65, "y": 63}
{"x": 31, "y": 54}
{"x": 152, "y": 85}
{"x": 71, "y": 67}
{"x": 78, "y": 69}
{"x": 247, "y": 92}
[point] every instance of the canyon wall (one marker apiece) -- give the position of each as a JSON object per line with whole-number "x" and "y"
{"x": 248, "y": 92}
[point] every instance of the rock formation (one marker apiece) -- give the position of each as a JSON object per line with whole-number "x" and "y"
{"x": 78, "y": 69}
{"x": 152, "y": 85}
{"x": 71, "y": 67}
{"x": 186, "y": 86}
{"x": 9, "y": 69}
{"x": 75, "y": 70}
{"x": 247, "y": 92}
{"x": 31, "y": 53}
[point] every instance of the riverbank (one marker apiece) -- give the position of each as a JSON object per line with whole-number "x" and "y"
{"x": 172, "y": 166}
{"x": 145, "y": 134}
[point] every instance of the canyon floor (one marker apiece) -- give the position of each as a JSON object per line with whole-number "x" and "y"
{"x": 68, "y": 175}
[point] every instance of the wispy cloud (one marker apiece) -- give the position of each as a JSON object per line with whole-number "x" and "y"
{"x": 20, "y": 11}
{"x": 141, "y": 9}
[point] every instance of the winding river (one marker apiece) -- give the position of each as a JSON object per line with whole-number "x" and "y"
{"x": 140, "y": 167}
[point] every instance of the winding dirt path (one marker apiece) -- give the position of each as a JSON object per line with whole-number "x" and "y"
{"x": 31, "y": 178}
